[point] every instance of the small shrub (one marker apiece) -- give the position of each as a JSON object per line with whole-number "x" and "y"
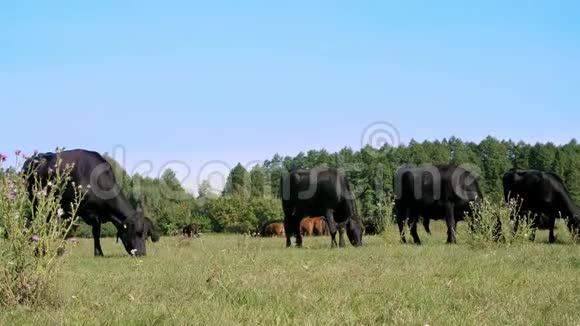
{"x": 29, "y": 262}
{"x": 384, "y": 216}
{"x": 494, "y": 222}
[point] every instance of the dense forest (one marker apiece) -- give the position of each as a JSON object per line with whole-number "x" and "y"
{"x": 251, "y": 197}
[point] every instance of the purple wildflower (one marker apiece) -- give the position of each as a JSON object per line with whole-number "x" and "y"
{"x": 3, "y": 157}
{"x": 17, "y": 152}
{"x": 35, "y": 238}
{"x": 12, "y": 196}
{"x": 36, "y": 152}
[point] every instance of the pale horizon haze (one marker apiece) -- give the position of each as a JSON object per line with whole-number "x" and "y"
{"x": 197, "y": 82}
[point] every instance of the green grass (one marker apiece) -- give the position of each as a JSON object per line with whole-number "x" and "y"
{"x": 229, "y": 280}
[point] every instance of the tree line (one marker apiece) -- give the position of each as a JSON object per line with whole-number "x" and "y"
{"x": 252, "y": 197}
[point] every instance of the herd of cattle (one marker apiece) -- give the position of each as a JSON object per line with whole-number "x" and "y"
{"x": 312, "y": 226}
{"x": 315, "y": 202}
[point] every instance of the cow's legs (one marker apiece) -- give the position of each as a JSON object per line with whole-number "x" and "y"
{"x": 426, "y": 225}
{"x": 289, "y": 232}
{"x": 341, "y": 242}
{"x": 401, "y": 217}
{"x": 451, "y": 224}
{"x": 552, "y": 236}
{"x": 532, "y": 237}
{"x": 413, "y": 226}
{"x": 327, "y": 231}
{"x": 97, "y": 239}
{"x": 332, "y": 227}
{"x": 296, "y": 226}
{"x": 552, "y": 227}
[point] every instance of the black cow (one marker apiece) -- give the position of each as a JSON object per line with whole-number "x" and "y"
{"x": 191, "y": 230}
{"x": 544, "y": 196}
{"x": 320, "y": 192}
{"x": 434, "y": 192}
{"x": 104, "y": 201}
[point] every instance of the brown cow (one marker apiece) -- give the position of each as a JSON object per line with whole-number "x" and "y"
{"x": 307, "y": 227}
{"x": 319, "y": 226}
{"x": 273, "y": 229}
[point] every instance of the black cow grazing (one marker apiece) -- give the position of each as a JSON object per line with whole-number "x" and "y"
{"x": 320, "y": 192}
{"x": 104, "y": 201}
{"x": 544, "y": 196}
{"x": 434, "y": 192}
{"x": 191, "y": 230}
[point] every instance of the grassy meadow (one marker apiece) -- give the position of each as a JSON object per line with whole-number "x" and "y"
{"x": 231, "y": 280}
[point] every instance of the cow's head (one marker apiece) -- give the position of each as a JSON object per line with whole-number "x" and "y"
{"x": 132, "y": 233}
{"x": 151, "y": 230}
{"x": 354, "y": 231}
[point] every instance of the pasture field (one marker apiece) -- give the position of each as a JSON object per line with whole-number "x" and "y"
{"x": 235, "y": 280}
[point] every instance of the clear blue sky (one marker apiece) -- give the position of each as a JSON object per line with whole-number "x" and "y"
{"x": 242, "y": 80}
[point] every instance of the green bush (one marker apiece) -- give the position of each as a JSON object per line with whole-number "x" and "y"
{"x": 493, "y": 222}
{"x": 29, "y": 264}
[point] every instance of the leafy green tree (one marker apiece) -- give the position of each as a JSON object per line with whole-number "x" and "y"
{"x": 251, "y": 198}
{"x": 460, "y": 153}
{"x": 567, "y": 165}
{"x": 238, "y": 182}
{"x": 205, "y": 191}
{"x": 495, "y": 163}
{"x": 542, "y": 156}
{"x": 521, "y": 155}
{"x": 274, "y": 170}
{"x": 232, "y": 214}
{"x": 417, "y": 153}
{"x": 258, "y": 186}
{"x": 438, "y": 152}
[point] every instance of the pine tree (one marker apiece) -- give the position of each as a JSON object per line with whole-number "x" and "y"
{"x": 238, "y": 182}
{"x": 258, "y": 182}
{"x": 495, "y": 163}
